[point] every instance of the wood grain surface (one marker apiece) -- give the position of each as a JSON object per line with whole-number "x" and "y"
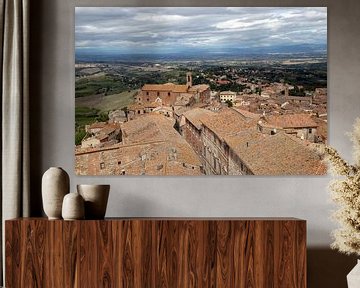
{"x": 156, "y": 253}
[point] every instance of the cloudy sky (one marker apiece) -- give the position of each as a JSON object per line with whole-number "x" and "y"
{"x": 174, "y": 29}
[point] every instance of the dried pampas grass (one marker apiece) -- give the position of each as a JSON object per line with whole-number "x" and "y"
{"x": 345, "y": 191}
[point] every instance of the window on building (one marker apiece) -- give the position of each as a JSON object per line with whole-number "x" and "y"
{"x": 168, "y": 93}
{"x": 158, "y": 93}
{"x": 272, "y": 132}
{"x": 138, "y": 111}
{"x": 147, "y": 93}
{"x": 147, "y": 99}
{"x": 119, "y": 162}
{"x": 102, "y": 165}
{"x": 310, "y": 130}
{"x": 123, "y": 172}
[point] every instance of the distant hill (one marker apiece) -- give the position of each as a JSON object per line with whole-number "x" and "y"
{"x": 202, "y": 54}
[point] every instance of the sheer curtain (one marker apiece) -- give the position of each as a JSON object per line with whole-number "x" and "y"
{"x": 14, "y": 27}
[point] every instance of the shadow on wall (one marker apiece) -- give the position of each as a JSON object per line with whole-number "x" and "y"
{"x": 36, "y": 46}
{"x": 328, "y": 268}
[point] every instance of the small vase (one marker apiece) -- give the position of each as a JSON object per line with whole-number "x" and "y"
{"x": 73, "y": 207}
{"x": 353, "y": 278}
{"x": 55, "y": 185}
{"x": 96, "y": 198}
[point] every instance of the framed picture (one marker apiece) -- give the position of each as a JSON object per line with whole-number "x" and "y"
{"x": 200, "y": 90}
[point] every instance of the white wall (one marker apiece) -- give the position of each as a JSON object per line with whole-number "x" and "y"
{"x": 52, "y": 125}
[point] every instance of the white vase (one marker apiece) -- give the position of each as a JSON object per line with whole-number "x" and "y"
{"x": 353, "y": 278}
{"x": 55, "y": 185}
{"x": 96, "y": 198}
{"x": 73, "y": 207}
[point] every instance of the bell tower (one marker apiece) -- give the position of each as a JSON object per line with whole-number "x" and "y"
{"x": 188, "y": 79}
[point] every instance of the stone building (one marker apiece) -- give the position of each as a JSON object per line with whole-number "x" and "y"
{"x": 150, "y": 146}
{"x": 229, "y": 143}
{"x": 95, "y": 127}
{"x": 110, "y": 133}
{"x": 214, "y": 132}
{"x": 255, "y": 153}
{"x": 135, "y": 110}
{"x": 191, "y": 128}
{"x": 227, "y": 96}
{"x": 300, "y": 125}
{"x": 168, "y": 94}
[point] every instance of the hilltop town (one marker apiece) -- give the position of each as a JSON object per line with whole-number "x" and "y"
{"x": 233, "y": 122}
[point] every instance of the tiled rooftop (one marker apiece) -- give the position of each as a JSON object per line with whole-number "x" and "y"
{"x": 227, "y": 93}
{"x": 227, "y": 122}
{"x": 151, "y": 146}
{"x": 199, "y": 88}
{"x": 195, "y": 116}
{"x": 151, "y": 128}
{"x": 248, "y": 114}
{"x": 278, "y": 154}
{"x": 290, "y": 121}
{"x": 168, "y": 87}
{"x": 97, "y": 125}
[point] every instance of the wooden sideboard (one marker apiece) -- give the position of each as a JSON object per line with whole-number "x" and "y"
{"x": 156, "y": 252}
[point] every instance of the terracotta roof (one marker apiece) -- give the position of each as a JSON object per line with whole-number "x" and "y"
{"x": 180, "y": 88}
{"x": 158, "y": 87}
{"x": 159, "y": 158}
{"x": 97, "y": 125}
{"x": 195, "y": 116}
{"x": 227, "y": 93}
{"x": 223, "y": 82}
{"x": 278, "y": 154}
{"x": 168, "y": 87}
{"x": 183, "y": 99}
{"x": 151, "y": 128}
{"x": 227, "y": 122}
{"x": 248, "y": 114}
{"x": 101, "y": 136}
{"x": 180, "y": 110}
{"x": 107, "y": 130}
{"x": 290, "y": 121}
{"x": 199, "y": 88}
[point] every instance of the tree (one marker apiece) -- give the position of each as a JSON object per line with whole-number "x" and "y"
{"x": 79, "y": 136}
{"x": 103, "y": 117}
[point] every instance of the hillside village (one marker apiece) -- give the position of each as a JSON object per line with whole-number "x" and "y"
{"x": 188, "y": 129}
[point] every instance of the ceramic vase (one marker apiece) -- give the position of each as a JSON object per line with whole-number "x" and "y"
{"x": 55, "y": 185}
{"x": 73, "y": 207}
{"x": 353, "y": 278}
{"x": 96, "y": 198}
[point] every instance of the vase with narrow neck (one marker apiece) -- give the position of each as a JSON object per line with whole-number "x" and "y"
{"x": 55, "y": 185}
{"x": 353, "y": 278}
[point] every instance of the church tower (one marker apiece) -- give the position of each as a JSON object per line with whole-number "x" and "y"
{"x": 188, "y": 79}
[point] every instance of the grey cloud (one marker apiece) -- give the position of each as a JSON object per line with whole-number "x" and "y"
{"x": 179, "y": 28}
